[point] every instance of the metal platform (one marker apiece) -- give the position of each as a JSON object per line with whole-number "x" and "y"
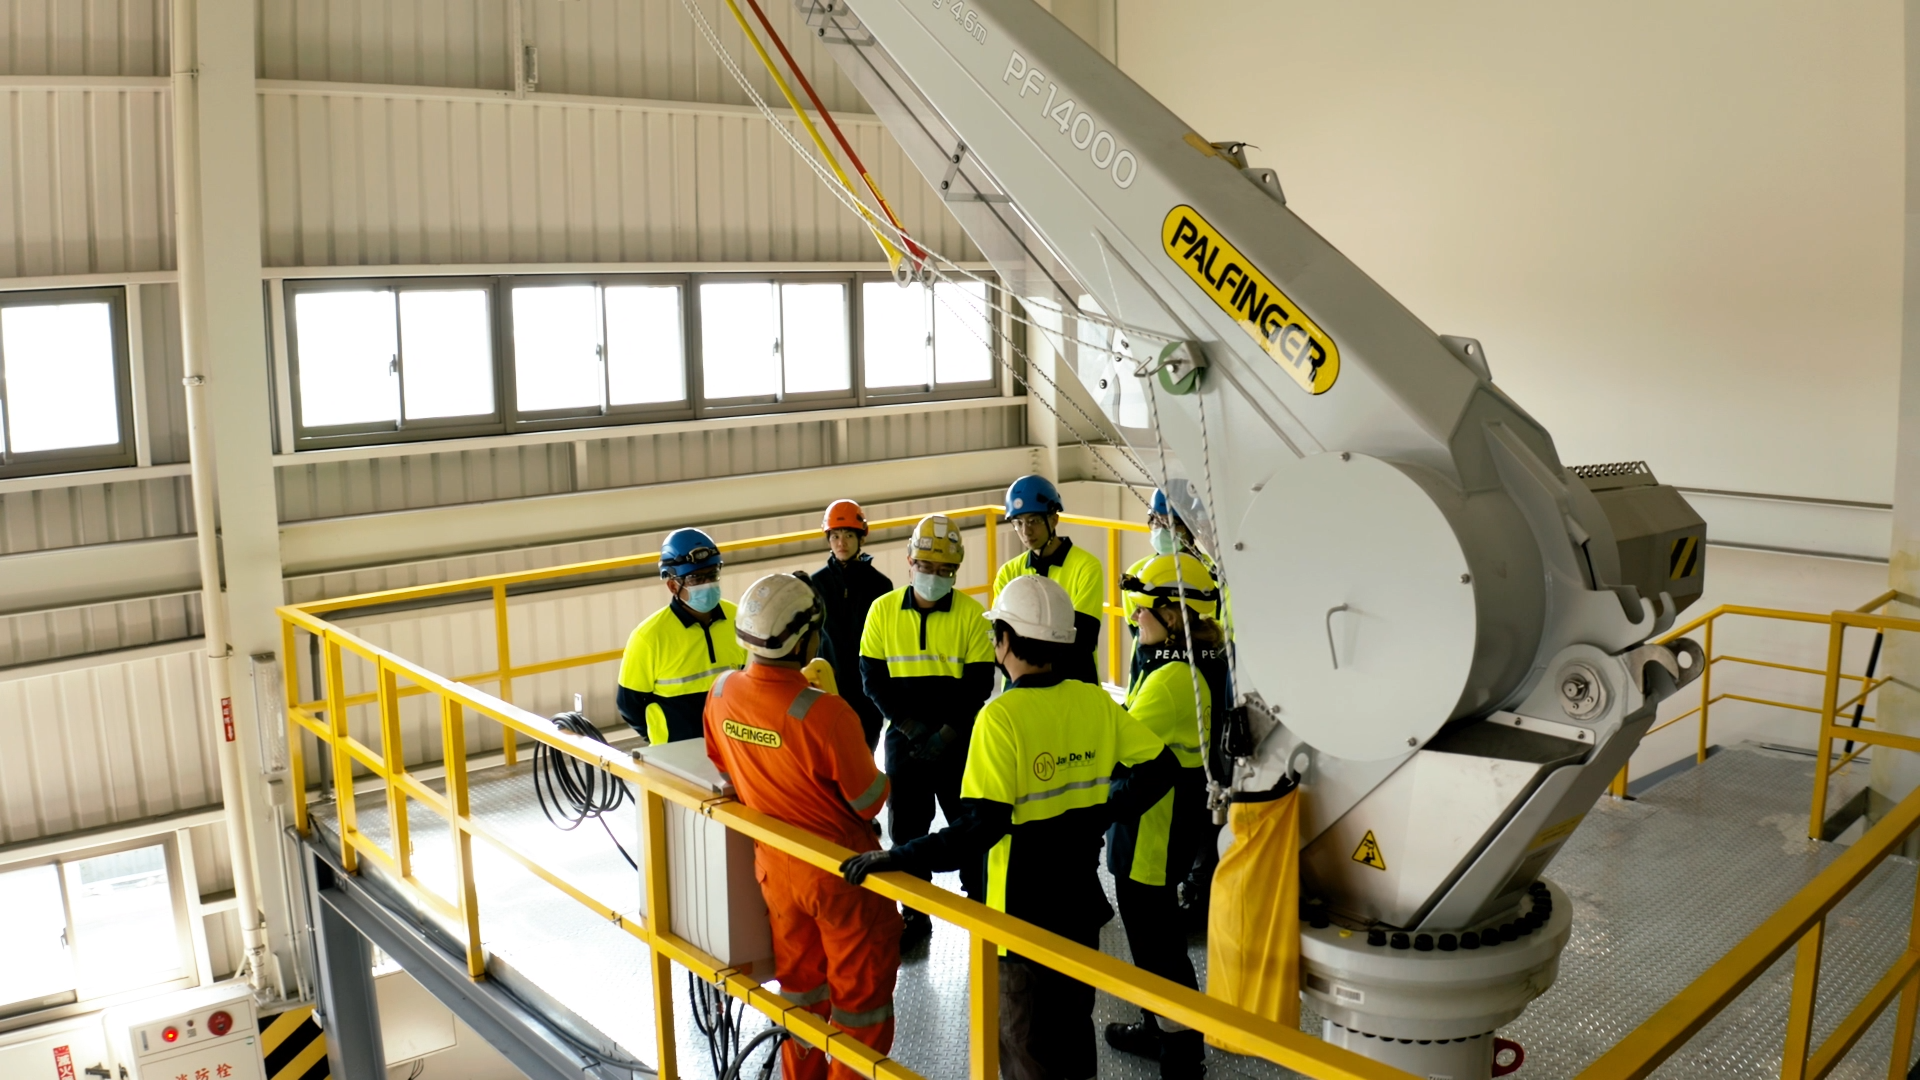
{"x": 1662, "y": 887}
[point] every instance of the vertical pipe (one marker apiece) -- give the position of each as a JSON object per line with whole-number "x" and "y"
{"x": 1823, "y": 745}
{"x": 191, "y": 258}
{"x": 453, "y": 735}
{"x": 1706, "y": 693}
{"x": 1806, "y": 987}
{"x": 983, "y": 1008}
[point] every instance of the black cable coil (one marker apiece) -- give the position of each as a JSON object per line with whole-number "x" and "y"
{"x": 571, "y": 791}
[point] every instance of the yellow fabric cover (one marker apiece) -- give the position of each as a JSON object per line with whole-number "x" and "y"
{"x": 1253, "y": 924}
{"x": 819, "y": 673}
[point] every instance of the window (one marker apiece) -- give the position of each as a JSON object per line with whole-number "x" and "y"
{"x": 392, "y": 358}
{"x": 426, "y": 358}
{"x": 920, "y": 340}
{"x": 64, "y": 403}
{"x": 774, "y": 341}
{"x": 88, "y": 928}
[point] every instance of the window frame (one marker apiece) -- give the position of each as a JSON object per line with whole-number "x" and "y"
{"x": 14, "y": 1013}
{"x": 997, "y": 343}
{"x": 783, "y": 402}
{"x": 608, "y": 415}
{"x": 79, "y": 459}
{"x": 444, "y": 427}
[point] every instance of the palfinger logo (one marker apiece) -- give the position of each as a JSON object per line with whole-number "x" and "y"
{"x": 1269, "y": 316}
{"x": 736, "y": 730}
{"x": 1043, "y": 766}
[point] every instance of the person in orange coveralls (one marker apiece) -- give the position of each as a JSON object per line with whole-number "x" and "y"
{"x": 797, "y": 753}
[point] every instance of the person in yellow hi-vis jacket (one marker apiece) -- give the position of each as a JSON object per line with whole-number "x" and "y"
{"x": 1033, "y": 506}
{"x": 1052, "y": 762}
{"x": 1179, "y": 671}
{"x": 674, "y": 654}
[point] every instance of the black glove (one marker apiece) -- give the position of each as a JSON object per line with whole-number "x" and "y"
{"x": 935, "y": 746}
{"x": 856, "y": 869}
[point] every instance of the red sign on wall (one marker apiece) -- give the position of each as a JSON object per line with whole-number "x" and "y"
{"x": 63, "y": 1062}
{"x": 226, "y": 716}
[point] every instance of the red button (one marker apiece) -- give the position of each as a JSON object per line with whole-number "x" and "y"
{"x": 171, "y": 1034}
{"x": 219, "y": 1024}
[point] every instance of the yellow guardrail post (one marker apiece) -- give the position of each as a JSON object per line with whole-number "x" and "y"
{"x": 453, "y": 741}
{"x": 1706, "y": 690}
{"x": 342, "y": 760}
{"x": 296, "y": 748}
{"x": 983, "y": 1008}
{"x": 990, "y": 517}
{"x": 1903, "y": 1016}
{"x": 503, "y": 655}
{"x": 1823, "y": 744}
{"x": 659, "y": 926}
{"x": 1113, "y": 601}
{"x": 395, "y": 759}
{"x": 1806, "y": 992}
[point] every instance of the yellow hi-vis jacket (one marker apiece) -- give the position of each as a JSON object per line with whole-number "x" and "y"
{"x": 1085, "y": 581}
{"x": 1158, "y": 846}
{"x": 927, "y": 668}
{"x": 1051, "y": 762}
{"x": 671, "y": 660}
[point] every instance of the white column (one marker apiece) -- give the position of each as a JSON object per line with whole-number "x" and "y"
{"x": 217, "y": 170}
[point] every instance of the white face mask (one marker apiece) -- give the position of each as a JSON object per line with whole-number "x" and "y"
{"x": 701, "y": 598}
{"x": 1163, "y": 539}
{"x": 932, "y": 587}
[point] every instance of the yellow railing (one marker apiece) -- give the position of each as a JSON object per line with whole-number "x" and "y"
{"x": 396, "y": 678}
{"x": 1800, "y": 922}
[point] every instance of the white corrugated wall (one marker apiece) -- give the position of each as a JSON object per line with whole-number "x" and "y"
{"x": 83, "y": 37}
{"x": 85, "y": 182}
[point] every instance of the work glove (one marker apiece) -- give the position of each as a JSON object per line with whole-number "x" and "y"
{"x": 856, "y": 869}
{"x": 819, "y": 674}
{"x": 935, "y": 746}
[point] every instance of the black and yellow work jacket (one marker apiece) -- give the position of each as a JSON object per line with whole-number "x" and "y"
{"x": 1157, "y": 846}
{"x": 1052, "y": 762}
{"x": 1085, "y": 581}
{"x": 847, "y": 590}
{"x": 671, "y": 659}
{"x": 927, "y": 668}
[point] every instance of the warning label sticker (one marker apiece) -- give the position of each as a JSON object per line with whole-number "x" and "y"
{"x": 1369, "y": 852}
{"x": 1684, "y": 558}
{"x": 1301, "y": 348}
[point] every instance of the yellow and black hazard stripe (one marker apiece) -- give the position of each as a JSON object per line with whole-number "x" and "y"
{"x": 1684, "y": 559}
{"x": 295, "y": 1047}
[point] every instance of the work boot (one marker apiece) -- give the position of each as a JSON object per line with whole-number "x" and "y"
{"x": 1142, "y": 1039}
{"x": 918, "y": 928}
{"x": 1183, "y": 1055}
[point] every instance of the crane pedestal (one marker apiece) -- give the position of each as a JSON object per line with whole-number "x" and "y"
{"x": 1433, "y": 1011}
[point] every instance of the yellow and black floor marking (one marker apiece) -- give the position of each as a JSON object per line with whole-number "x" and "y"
{"x": 295, "y": 1047}
{"x": 1684, "y": 558}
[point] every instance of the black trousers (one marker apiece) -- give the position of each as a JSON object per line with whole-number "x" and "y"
{"x": 916, "y": 787}
{"x": 1151, "y": 916}
{"x": 1046, "y": 1021}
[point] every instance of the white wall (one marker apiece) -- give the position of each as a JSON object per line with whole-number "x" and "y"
{"x": 1676, "y": 227}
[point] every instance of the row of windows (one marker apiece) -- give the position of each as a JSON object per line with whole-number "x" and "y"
{"x": 86, "y": 928}
{"x": 430, "y": 358}
{"x": 381, "y": 361}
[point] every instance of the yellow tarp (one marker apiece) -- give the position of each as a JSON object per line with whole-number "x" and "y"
{"x": 1253, "y": 923}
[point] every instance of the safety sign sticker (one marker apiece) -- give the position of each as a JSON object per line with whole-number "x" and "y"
{"x": 1369, "y": 852}
{"x": 1301, "y": 348}
{"x": 1684, "y": 558}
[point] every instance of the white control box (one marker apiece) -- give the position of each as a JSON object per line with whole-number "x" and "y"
{"x": 715, "y": 898}
{"x": 207, "y": 1033}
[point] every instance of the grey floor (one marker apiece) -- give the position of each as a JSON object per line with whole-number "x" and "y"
{"x": 1662, "y": 886}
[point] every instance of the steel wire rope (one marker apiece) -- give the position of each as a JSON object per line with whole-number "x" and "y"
{"x": 571, "y": 791}
{"x": 854, "y": 203}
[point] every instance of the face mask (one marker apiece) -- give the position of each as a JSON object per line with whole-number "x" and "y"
{"x": 932, "y": 587}
{"x": 701, "y": 598}
{"x": 1164, "y": 541}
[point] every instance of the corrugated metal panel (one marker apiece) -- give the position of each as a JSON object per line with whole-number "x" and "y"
{"x": 83, "y": 37}
{"x": 106, "y": 744}
{"x": 52, "y": 635}
{"x": 166, "y": 402}
{"x": 661, "y": 459}
{"x": 374, "y": 179}
{"x": 334, "y": 489}
{"x": 95, "y": 514}
{"x": 399, "y": 42}
{"x": 882, "y": 438}
{"x": 85, "y": 185}
{"x": 617, "y": 48}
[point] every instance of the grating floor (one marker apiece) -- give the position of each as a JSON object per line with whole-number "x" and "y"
{"x": 1662, "y": 887}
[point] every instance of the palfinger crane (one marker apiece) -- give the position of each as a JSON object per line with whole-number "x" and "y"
{"x": 1442, "y": 631}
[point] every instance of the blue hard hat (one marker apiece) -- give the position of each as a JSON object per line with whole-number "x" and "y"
{"x": 1161, "y": 508}
{"x": 687, "y": 550}
{"x": 1033, "y": 495}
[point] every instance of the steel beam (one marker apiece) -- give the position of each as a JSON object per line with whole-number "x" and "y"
{"x": 348, "y": 1009}
{"x": 532, "y": 1043}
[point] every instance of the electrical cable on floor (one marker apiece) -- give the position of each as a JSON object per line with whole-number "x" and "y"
{"x": 739, "y": 1063}
{"x": 717, "y": 1016}
{"x": 571, "y": 791}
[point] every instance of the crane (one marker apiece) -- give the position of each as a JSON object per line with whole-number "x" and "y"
{"x": 1443, "y": 633}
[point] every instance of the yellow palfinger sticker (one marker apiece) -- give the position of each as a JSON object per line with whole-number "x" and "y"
{"x": 734, "y": 729}
{"x": 1269, "y": 316}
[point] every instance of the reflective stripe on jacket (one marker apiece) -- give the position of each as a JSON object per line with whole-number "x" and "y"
{"x": 670, "y": 661}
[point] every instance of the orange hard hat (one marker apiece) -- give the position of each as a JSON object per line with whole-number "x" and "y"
{"x": 844, "y": 514}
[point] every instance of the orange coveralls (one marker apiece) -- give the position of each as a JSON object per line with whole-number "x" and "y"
{"x": 798, "y": 754}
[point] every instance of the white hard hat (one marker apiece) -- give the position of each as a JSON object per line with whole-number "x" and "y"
{"x": 774, "y": 614}
{"x": 1035, "y": 607}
